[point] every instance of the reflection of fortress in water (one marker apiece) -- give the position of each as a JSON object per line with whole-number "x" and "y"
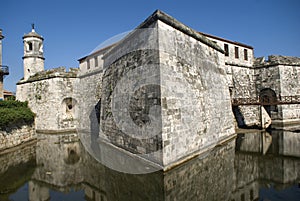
{"x": 234, "y": 171}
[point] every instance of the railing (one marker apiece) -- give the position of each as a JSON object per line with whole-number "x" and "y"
{"x": 4, "y": 70}
{"x": 281, "y": 100}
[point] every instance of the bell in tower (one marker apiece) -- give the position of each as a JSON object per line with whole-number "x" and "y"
{"x": 33, "y": 59}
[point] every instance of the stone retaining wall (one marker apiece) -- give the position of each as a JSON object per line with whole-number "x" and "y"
{"x": 15, "y": 136}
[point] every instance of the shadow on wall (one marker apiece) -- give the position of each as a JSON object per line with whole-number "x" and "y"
{"x": 94, "y": 124}
{"x": 241, "y": 120}
{"x": 239, "y": 117}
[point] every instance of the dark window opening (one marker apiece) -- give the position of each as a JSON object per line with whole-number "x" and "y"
{"x": 88, "y": 64}
{"x": 96, "y": 61}
{"x": 245, "y": 54}
{"x": 226, "y": 49}
{"x": 30, "y": 47}
{"x": 236, "y": 52}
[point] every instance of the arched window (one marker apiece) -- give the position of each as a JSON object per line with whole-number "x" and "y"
{"x": 69, "y": 106}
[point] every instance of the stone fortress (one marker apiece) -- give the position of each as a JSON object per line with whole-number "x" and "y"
{"x": 198, "y": 87}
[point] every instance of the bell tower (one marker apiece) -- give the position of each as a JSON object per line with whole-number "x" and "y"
{"x": 33, "y": 59}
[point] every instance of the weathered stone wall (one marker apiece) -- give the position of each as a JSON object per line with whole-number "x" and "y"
{"x": 196, "y": 107}
{"x": 162, "y": 72}
{"x": 138, "y": 106}
{"x": 244, "y": 86}
{"x": 88, "y": 91}
{"x": 50, "y": 96}
{"x": 243, "y": 82}
{"x": 268, "y": 78}
{"x": 16, "y": 135}
{"x": 290, "y": 86}
{"x": 280, "y": 74}
{"x": 247, "y": 115}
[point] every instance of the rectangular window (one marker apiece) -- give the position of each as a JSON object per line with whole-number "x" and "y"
{"x": 88, "y": 64}
{"x": 226, "y": 50}
{"x": 96, "y": 61}
{"x": 236, "y": 52}
{"x": 245, "y": 54}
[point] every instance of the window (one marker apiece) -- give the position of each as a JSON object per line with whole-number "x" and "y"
{"x": 236, "y": 52}
{"x": 96, "y": 61}
{"x": 88, "y": 64}
{"x": 30, "y": 47}
{"x": 226, "y": 50}
{"x": 245, "y": 54}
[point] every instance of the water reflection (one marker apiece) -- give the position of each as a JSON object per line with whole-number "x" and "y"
{"x": 257, "y": 165}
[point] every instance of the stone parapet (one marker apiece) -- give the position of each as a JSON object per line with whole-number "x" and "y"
{"x": 52, "y": 73}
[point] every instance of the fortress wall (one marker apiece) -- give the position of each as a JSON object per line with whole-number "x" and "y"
{"x": 243, "y": 82}
{"x": 48, "y": 99}
{"x": 268, "y": 78}
{"x": 196, "y": 107}
{"x": 290, "y": 86}
{"x": 124, "y": 115}
{"x": 88, "y": 94}
{"x": 244, "y": 86}
{"x": 177, "y": 93}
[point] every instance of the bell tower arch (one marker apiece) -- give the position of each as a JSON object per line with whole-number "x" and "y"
{"x": 33, "y": 59}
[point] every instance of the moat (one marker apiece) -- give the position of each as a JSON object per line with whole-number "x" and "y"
{"x": 254, "y": 166}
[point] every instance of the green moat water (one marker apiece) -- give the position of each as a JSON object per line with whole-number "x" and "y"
{"x": 254, "y": 166}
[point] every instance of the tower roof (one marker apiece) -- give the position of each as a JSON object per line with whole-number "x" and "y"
{"x": 33, "y": 34}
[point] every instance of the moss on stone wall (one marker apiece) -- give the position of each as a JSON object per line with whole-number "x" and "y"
{"x": 15, "y": 113}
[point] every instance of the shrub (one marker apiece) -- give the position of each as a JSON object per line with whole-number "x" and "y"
{"x": 15, "y": 113}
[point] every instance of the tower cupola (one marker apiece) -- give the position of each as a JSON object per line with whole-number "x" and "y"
{"x": 33, "y": 59}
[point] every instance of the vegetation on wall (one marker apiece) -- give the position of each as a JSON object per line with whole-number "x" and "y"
{"x": 14, "y": 113}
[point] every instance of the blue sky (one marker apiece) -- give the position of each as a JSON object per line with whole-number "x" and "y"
{"x": 73, "y": 28}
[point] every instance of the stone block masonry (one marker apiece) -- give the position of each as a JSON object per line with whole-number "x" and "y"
{"x": 50, "y": 96}
{"x": 16, "y": 136}
{"x": 165, "y": 98}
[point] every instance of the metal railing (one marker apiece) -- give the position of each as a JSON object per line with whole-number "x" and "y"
{"x": 4, "y": 70}
{"x": 281, "y": 100}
